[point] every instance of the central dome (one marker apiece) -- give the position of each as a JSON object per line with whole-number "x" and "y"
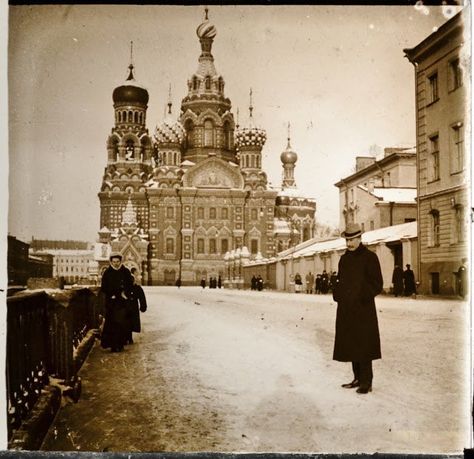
{"x": 131, "y": 92}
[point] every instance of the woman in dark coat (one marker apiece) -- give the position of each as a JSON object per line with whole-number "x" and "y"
{"x": 136, "y": 305}
{"x": 117, "y": 283}
{"x": 397, "y": 281}
{"x": 357, "y": 334}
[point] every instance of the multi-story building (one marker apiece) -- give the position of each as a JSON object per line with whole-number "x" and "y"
{"x": 442, "y": 162}
{"x": 17, "y": 261}
{"x": 176, "y": 202}
{"x": 380, "y": 192}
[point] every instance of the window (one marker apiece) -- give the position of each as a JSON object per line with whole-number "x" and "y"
{"x": 200, "y": 212}
{"x": 253, "y": 214}
{"x": 435, "y": 227}
{"x": 433, "y": 90}
{"x": 169, "y": 212}
{"x": 212, "y": 245}
{"x": 434, "y": 151}
{"x": 457, "y": 148}
{"x": 208, "y": 82}
{"x": 224, "y": 245}
{"x": 227, "y": 136}
{"x": 169, "y": 245}
{"x": 208, "y": 133}
{"x": 454, "y": 75}
{"x": 200, "y": 246}
{"x": 189, "y": 126}
{"x": 212, "y": 213}
{"x": 372, "y": 226}
{"x": 254, "y": 246}
{"x": 225, "y": 213}
{"x": 458, "y": 223}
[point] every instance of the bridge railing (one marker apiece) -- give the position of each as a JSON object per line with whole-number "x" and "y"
{"x": 46, "y": 331}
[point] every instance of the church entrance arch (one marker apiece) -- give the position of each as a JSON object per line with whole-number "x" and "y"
{"x": 170, "y": 276}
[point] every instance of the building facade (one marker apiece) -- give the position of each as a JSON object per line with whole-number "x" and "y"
{"x": 442, "y": 163}
{"x": 175, "y": 202}
{"x": 381, "y": 192}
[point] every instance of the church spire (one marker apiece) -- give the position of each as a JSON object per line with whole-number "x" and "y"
{"x": 130, "y": 75}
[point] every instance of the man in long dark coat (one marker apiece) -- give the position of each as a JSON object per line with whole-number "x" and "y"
{"x": 117, "y": 283}
{"x": 409, "y": 281}
{"x": 397, "y": 281}
{"x": 357, "y": 332}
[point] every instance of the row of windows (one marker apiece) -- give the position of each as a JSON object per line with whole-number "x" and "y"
{"x": 251, "y": 161}
{"x": 129, "y": 116}
{"x": 456, "y": 157}
{"x": 219, "y": 85}
{"x": 456, "y": 225}
{"x": 208, "y": 138}
{"x": 454, "y": 80}
{"x": 212, "y": 246}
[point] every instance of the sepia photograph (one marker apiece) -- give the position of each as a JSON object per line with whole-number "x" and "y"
{"x": 236, "y": 229}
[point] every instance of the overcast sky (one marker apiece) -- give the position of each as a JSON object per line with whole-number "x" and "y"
{"x": 336, "y": 73}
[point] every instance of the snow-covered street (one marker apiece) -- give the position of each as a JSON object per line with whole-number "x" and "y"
{"x": 245, "y": 371}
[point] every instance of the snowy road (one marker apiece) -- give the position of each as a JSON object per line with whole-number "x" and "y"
{"x": 224, "y": 370}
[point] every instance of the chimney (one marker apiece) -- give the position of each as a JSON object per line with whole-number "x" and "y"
{"x": 363, "y": 162}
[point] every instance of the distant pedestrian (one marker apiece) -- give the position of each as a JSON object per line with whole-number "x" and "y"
{"x": 324, "y": 282}
{"x": 397, "y": 281}
{"x": 357, "y": 334}
{"x": 117, "y": 284}
{"x": 136, "y": 305}
{"x": 219, "y": 282}
{"x": 253, "y": 283}
{"x": 203, "y": 283}
{"x": 259, "y": 283}
{"x": 462, "y": 278}
{"x": 317, "y": 284}
{"x": 409, "y": 281}
{"x": 298, "y": 283}
{"x": 178, "y": 282}
{"x": 309, "y": 282}
{"x": 333, "y": 281}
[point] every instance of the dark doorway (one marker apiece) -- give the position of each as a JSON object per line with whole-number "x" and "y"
{"x": 170, "y": 277}
{"x": 397, "y": 252}
{"x": 435, "y": 283}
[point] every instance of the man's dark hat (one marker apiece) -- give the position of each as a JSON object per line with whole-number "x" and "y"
{"x": 115, "y": 255}
{"x": 352, "y": 230}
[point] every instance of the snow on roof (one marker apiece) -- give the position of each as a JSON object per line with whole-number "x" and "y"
{"x": 186, "y": 162}
{"x": 281, "y": 226}
{"x": 291, "y": 192}
{"x": 66, "y": 252}
{"x": 393, "y": 194}
{"x": 387, "y": 234}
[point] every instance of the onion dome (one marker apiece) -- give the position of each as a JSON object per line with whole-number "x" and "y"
{"x": 131, "y": 92}
{"x": 170, "y": 131}
{"x": 288, "y": 156}
{"x": 206, "y": 29}
{"x": 250, "y": 136}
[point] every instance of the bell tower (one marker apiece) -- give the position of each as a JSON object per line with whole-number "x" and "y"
{"x": 206, "y": 112}
{"x": 129, "y": 155}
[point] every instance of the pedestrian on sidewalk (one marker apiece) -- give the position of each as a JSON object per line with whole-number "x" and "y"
{"x": 409, "y": 281}
{"x": 136, "y": 305}
{"x": 203, "y": 283}
{"x": 462, "y": 278}
{"x": 357, "y": 337}
{"x": 116, "y": 285}
{"x": 397, "y": 281}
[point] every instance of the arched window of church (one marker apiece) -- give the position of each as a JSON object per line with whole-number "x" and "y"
{"x": 175, "y": 159}
{"x": 136, "y": 117}
{"x": 253, "y": 161}
{"x": 208, "y": 133}
{"x": 124, "y": 117}
{"x": 254, "y": 214}
{"x": 130, "y": 116}
{"x": 189, "y": 127}
{"x": 129, "y": 153}
{"x": 119, "y": 117}
{"x": 208, "y": 82}
{"x": 258, "y": 162}
{"x": 195, "y": 83}
{"x": 306, "y": 235}
{"x": 221, "y": 85}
